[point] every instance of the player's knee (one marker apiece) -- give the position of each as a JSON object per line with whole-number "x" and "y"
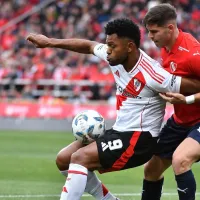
{"x": 180, "y": 163}
{"x": 64, "y": 156}
{"x": 80, "y": 157}
{"x": 62, "y": 161}
{"x": 147, "y": 170}
{"x": 150, "y": 173}
{"x": 155, "y": 163}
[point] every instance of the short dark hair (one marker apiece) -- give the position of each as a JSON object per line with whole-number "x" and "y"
{"x": 124, "y": 27}
{"x": 160, "y": 15}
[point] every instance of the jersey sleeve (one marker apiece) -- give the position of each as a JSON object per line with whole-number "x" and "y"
{"x": 194, "y": 63}
{"x": 160, "y": 80}
{"x": 100, "y": 50}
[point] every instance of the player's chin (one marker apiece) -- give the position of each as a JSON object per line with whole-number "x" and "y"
{"x": 113, "y": 63}
{"x": 158, "y": 44}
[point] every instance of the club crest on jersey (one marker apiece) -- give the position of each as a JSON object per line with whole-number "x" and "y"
{"x": 137, "y": 84}
{"x": 173, "y": 66}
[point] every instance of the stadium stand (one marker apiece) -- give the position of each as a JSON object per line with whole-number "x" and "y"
{"x": 30, "y": 73}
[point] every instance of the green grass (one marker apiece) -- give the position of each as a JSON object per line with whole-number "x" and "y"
{"x": 27, "y": 167}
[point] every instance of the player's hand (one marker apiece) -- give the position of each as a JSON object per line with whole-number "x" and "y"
{"x": 173, "y": 98}
{"x": 40, "y": 41}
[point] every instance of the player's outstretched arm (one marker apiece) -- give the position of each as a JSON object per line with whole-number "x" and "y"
{"x": 76, "y": 45}
{"x": 176, "y": 98}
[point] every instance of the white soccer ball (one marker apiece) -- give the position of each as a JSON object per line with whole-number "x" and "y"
{"x": 87, "y": 126}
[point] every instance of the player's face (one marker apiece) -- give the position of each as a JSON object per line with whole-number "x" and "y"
{"x": 160, "y": 35}
{"x": 117, "y": 49}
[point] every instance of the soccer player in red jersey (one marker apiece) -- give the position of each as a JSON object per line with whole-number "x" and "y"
{"x": 179, "y": 141}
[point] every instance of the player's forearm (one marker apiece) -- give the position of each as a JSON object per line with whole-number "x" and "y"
{"x": 197, "y": 98}
{"x": 76, "y": 45}
{"x": 189, "y": 86}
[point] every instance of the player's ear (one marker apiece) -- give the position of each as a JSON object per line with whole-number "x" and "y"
{"x": 171, "y": 27}
{"x": 131, "y": 46}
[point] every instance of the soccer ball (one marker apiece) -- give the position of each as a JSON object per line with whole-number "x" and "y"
{"x": 87, "y": 126}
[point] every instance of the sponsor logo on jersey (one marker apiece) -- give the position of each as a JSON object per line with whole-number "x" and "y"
{"x": 196, "y": 54}
{"x": 183, "y": 49}
{"x": 173, "y": 81}
{"x": 173, "y": 66}
{"x": 125, "y": 93}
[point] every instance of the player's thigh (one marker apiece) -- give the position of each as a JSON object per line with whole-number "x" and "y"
{"x": 188, "y": 151}
{"x": 87, "y": 156}
{"x": 155, "y": 167}
{"x": 170, "y": 138}
{"x": 123, "y": 150}
{"x": 64, "y": 155}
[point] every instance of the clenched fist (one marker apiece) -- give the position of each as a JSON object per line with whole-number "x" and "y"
{"x": 40, "y": 41}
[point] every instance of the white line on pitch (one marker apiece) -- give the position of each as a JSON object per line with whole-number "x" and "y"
{"x": 85, "y": 195}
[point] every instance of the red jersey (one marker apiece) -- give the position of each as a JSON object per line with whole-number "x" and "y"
{"x": 184, "y": 60}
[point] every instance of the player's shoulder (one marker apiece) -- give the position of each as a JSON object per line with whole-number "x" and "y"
{"x": 149, "y": 60}
{"x": 190, "y": 41}
{"x": 146, "y": 57}
{"x": 194, "y": 56}
{"x": 191, "y": 44}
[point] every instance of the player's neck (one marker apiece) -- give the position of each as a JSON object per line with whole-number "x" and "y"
{"x": 173, "y": 40}
{"x": 131, "y": 61}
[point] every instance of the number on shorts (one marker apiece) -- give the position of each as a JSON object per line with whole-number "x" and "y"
{"x": 112, "y": 145}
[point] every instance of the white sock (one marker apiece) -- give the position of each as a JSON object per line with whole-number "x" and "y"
{"x": 64, "y": 173}
{"x": 95, "y": 187}
{"x": 77, "y": 176}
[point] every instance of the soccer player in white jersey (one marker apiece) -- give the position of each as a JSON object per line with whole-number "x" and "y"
{"x": 140, "y": 109}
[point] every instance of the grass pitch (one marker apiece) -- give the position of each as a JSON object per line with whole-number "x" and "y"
{"x": 28, "y": 170}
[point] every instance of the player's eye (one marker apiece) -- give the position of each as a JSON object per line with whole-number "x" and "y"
{"x": 111, "y": 46}
{"x": 153, "y": 32}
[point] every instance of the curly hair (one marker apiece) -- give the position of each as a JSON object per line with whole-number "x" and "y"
{"x": 124, "y": 27}
{"x": 160, "y": 15}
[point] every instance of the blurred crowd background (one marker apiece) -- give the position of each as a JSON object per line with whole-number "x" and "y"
{"x": 45, "y": 74}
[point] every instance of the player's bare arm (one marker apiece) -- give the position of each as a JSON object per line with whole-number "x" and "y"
{"x": 189, "y": 86}
{"x": 176, "y": 98}
{"x": 76, "y": 45}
